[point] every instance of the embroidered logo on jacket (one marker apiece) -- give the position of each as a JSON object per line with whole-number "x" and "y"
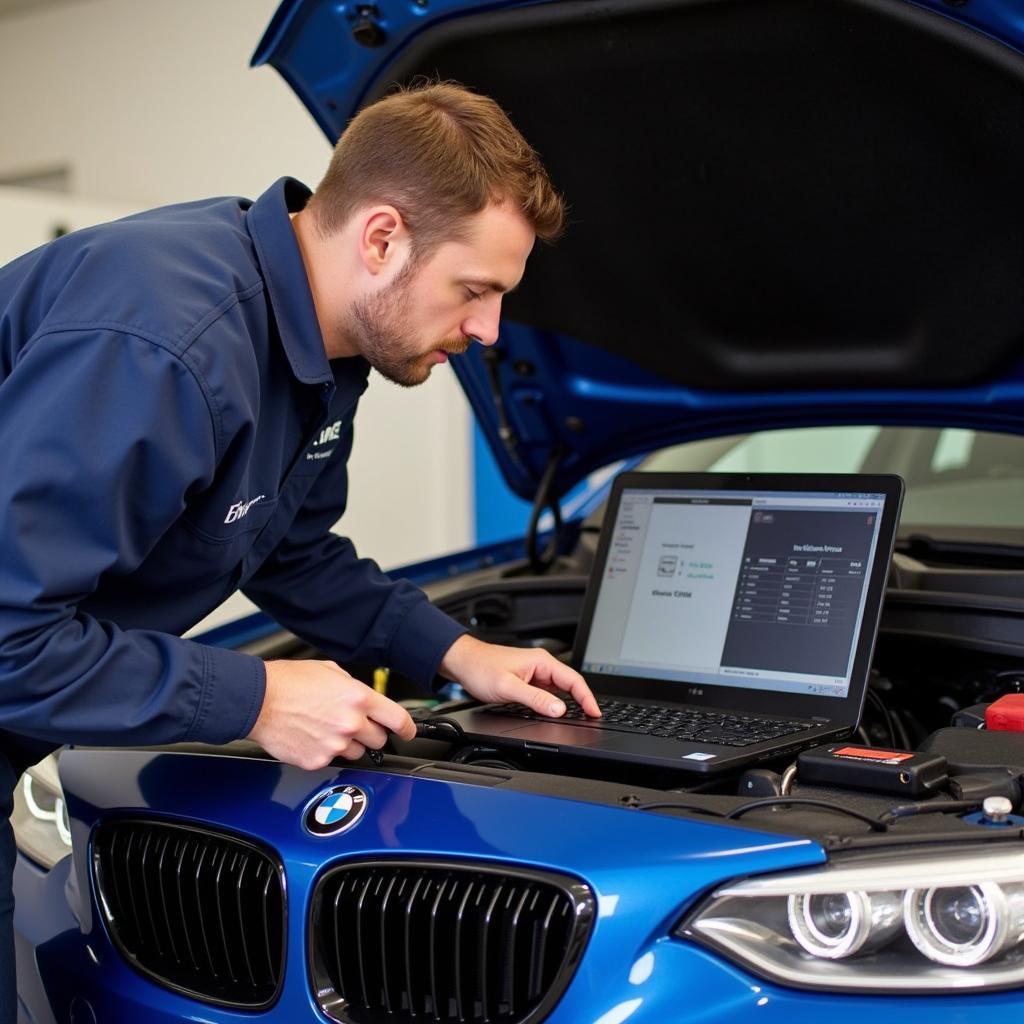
{"x": 241, "y": 508}
{"x": 328, "y": 435}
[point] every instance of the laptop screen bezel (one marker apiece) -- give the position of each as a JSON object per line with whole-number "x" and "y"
{"x": 841, "y": 710}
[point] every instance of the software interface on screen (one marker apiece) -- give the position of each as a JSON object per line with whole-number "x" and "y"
{"x": 757, "y": 590}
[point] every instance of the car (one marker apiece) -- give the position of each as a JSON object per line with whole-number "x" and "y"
{"x": 794, "y": 245}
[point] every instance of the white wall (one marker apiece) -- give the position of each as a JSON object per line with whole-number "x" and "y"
{"x": 30, "y": 217}
{"x": 149, "y": 102}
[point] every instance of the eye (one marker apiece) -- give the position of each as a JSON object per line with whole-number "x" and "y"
{"x": 472, "y": 295}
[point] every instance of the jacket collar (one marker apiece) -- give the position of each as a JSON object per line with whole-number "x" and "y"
{"x": 286, "y": 282}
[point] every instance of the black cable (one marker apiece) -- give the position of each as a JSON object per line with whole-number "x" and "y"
{"x": 902, "y": 729}
{"x": 879, "y": 824}
{"x": 701, "y": 787}
{"x": 880, "y": 706}
{"x": 876, "y": 824}
{"x": 939, "y": 807}
{"x": 492, "y": 357}
{"x": 540, "y": 562}
{"x": 677, "y": 807}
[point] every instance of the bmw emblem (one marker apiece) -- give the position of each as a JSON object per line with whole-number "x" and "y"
{"x": 335, "y": 811}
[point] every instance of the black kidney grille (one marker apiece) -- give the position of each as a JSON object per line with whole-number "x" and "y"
{"x": 406, "y": 941}
{"x": 198, "y": 911}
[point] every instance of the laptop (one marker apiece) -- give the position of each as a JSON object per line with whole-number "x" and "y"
{"x": 729, "y": 619}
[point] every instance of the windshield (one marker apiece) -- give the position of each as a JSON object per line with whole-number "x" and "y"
{"x": 955, "y": 478}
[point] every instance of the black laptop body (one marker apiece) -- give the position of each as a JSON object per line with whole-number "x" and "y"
{"x": 729, "y": 619}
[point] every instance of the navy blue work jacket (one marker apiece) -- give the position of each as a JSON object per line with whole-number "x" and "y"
{"x": 171, "y": 431}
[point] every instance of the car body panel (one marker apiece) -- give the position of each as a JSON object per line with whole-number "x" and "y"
{"x": 407, "y": 815}
{"x": 303, "y": 37}
{"x": 631, "y": 968}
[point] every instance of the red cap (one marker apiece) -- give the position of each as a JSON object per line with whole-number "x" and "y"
{"x": 1006, "y": 714}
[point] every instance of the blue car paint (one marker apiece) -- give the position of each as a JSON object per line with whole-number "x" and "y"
{"x": 409, "y": 816}
{"x": 627, "y": 411}
{"x": 43, "y": 917}
{"x": 632, "y": 968}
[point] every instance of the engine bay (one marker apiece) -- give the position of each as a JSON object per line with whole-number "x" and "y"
{"x": 951, "y": 641}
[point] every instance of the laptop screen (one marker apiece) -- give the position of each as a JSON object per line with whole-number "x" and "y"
{"x": 760, "y": 590}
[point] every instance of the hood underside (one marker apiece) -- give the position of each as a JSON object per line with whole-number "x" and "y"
{"x": 782, "y": 211}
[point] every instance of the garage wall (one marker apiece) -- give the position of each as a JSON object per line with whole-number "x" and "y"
{"x": 145, "y": 103}
{"x": 150, "y": 101}
{"x": 30, "y": 217}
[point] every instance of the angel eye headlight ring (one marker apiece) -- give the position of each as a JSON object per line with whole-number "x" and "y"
{"x": 963, "y": 925}
{"x": 839, "y": 924}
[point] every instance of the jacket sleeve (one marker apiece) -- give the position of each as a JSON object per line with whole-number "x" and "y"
{"x": 315, "y": 584}
{"x": 102, "y": 436}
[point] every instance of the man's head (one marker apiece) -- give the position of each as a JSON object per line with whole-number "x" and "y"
{"x": 427, "y": 213}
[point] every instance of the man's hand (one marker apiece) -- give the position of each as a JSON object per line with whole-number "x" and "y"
{"x": 314, "y": 711}
{"x": 526, "y": 675}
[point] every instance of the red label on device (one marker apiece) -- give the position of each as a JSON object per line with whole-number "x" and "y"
{"x": 874, "y": 755}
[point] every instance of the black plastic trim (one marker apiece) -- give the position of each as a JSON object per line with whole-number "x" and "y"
{"x": 196, "y": 948}
{"x": 580, "y": 896}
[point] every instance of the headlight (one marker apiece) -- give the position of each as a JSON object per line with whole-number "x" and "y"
{"x": 865, "y": 923}
{"x": 40, "y": 818}
{"x": 965, "y": 925}
{"x": 834, "y": 925}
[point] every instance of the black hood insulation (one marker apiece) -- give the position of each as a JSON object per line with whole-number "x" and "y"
{"x": 765, "y": 194}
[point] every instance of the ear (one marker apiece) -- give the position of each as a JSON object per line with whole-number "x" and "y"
{"x": 382, "y": 238}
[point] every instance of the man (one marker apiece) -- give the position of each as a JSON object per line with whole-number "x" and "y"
{"x": 177, "y": 392}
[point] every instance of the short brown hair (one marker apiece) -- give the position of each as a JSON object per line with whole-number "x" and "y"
{"x": 438, "y": 153}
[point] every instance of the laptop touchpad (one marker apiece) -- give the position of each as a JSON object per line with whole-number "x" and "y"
{"x": 550, "y": 732}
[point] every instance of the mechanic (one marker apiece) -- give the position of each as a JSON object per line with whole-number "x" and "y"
{"x": 177, "y": 393}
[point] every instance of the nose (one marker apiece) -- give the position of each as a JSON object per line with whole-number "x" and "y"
{"x": 483, "y": 325}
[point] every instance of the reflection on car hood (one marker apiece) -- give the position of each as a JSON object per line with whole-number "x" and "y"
{"x": 616, "y": 851}
{"x": 783, "y": 212}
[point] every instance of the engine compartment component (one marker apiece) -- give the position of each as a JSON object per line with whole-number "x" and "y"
{"x": 1006, "y": 714}
{"x": 900, "y": 772}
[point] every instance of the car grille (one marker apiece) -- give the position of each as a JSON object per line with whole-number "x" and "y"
{"x": 198, "y": 911}
{"x": 415, "y": 941}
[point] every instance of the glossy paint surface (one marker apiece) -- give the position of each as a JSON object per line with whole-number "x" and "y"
{"x": 644, "y": 868}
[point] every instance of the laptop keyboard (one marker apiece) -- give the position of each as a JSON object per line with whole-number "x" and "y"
{"x": 727, "y": 730}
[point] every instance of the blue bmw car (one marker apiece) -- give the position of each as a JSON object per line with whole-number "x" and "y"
{"x": 795, "y": 245}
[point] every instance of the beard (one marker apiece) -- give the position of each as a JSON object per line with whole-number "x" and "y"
{"x": 377, "y": 324}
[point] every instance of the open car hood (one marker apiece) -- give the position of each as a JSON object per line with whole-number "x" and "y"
{"x": 783, "y": 212}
